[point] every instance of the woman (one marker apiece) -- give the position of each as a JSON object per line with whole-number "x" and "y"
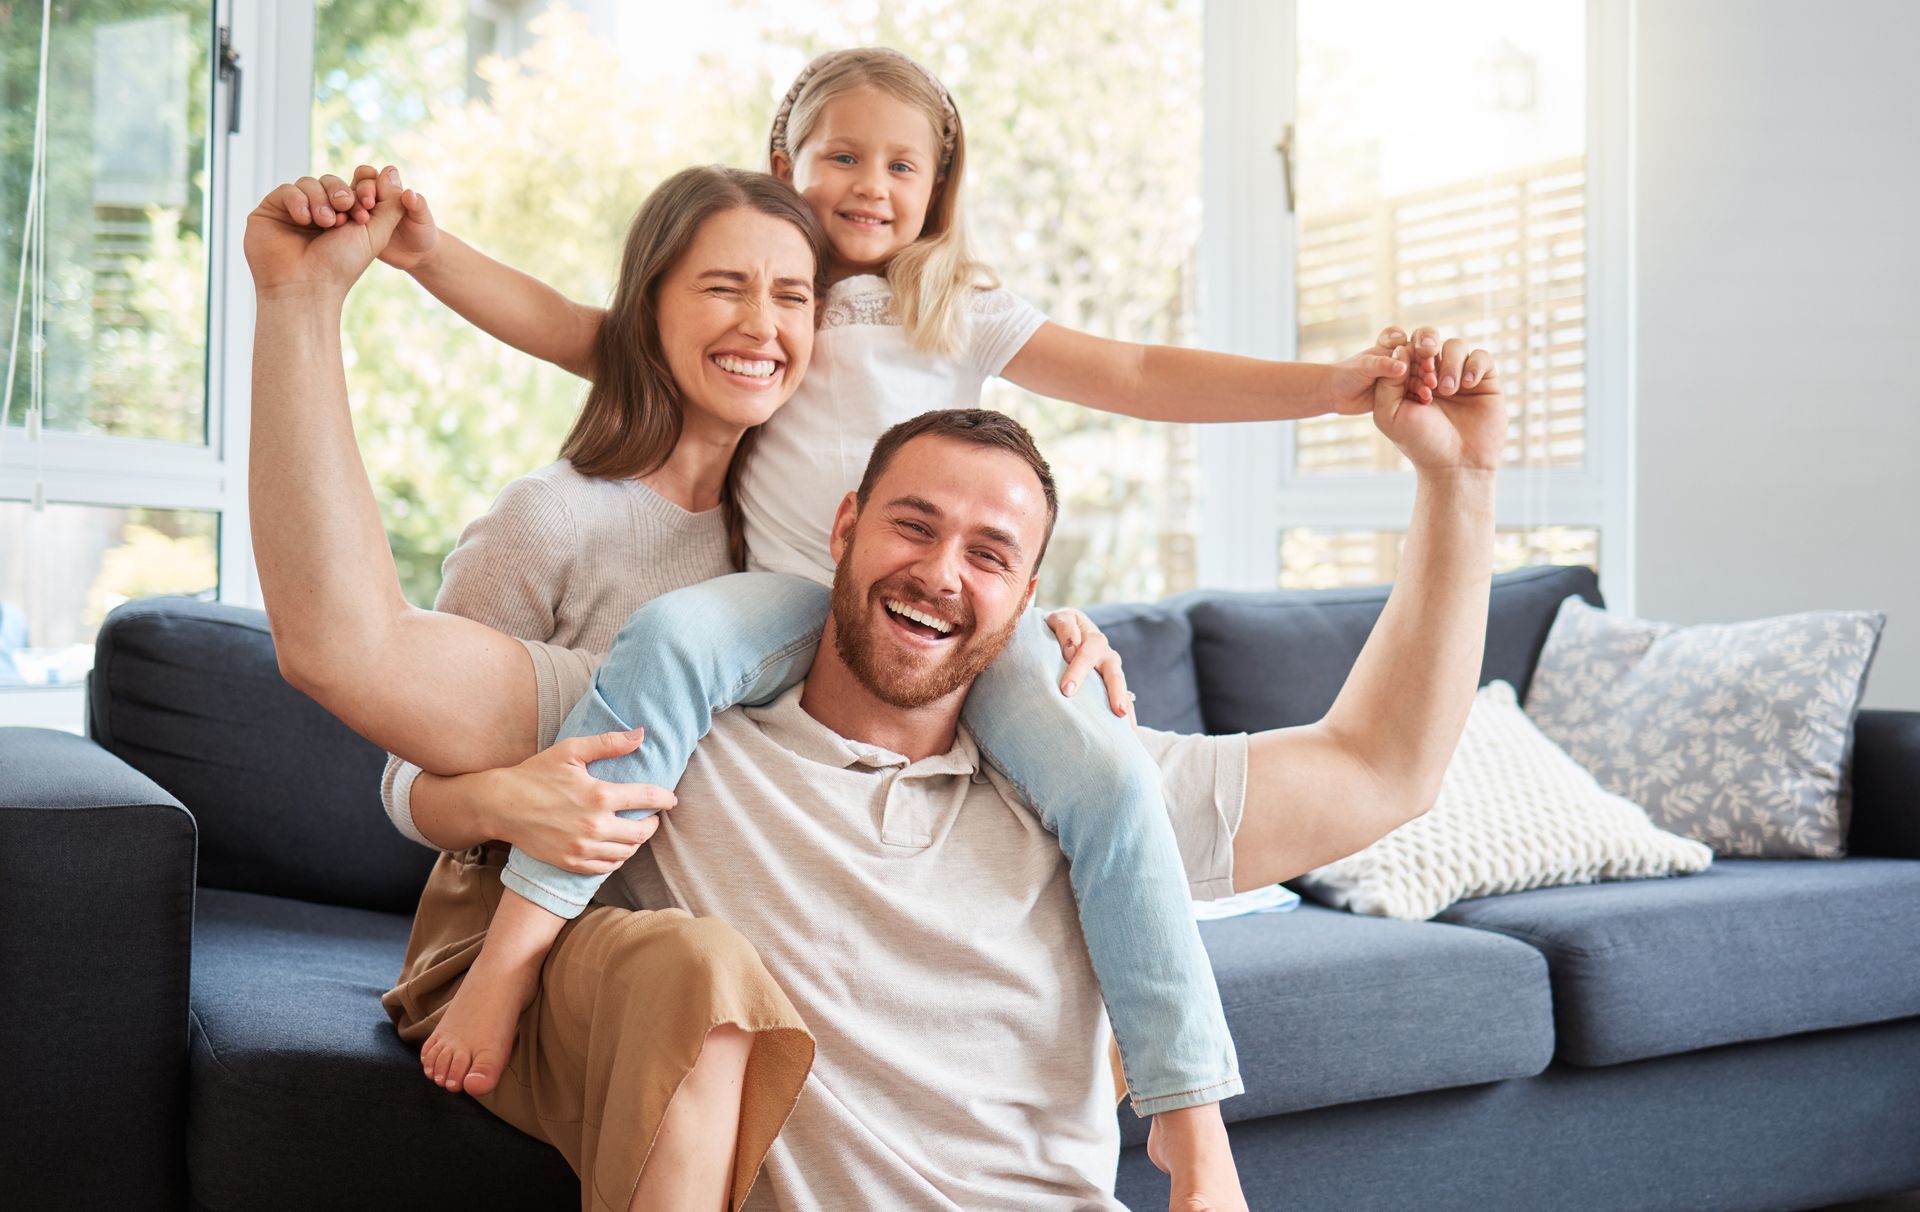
{"x": 661, "y": 1091}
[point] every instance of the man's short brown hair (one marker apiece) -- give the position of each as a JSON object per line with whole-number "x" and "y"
{"x": 980, "y": 426}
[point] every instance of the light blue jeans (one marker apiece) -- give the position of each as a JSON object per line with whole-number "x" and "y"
{"x": 745, "y": 639}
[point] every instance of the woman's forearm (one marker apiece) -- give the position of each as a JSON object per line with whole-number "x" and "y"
{"x": 511, "y": 306}
{"x": 452, "y": 812}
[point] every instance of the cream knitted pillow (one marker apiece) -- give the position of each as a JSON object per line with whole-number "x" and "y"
{"x": 1514, "y": 812}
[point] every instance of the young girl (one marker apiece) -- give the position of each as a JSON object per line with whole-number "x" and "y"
{"x": 911, "y": 322}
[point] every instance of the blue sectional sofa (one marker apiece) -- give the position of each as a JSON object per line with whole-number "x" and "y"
{"x": 200, "y": 906}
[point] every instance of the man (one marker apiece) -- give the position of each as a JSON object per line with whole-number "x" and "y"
{"x": 961, "y": 1044}
{"x": 919, "y": 916}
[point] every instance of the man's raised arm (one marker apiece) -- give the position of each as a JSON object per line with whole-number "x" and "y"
{"x": 1319, "y": 792}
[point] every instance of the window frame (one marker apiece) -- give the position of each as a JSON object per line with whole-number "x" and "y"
{"x": 1252, "y": 490}
{"x": 273, "y": 42}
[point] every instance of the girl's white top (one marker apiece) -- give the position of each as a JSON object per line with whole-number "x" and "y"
{"x": 865, "y": 378}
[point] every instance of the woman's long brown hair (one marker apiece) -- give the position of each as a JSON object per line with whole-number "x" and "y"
{"x": 631, "y": 420}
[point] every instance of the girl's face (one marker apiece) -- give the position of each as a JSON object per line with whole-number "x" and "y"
{"x": 868, "y": 169}
{"x": 736, "y": 320}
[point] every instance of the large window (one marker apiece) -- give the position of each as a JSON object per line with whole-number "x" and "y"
{"x": 537, "y": 129}
{"x": 113, "y": 479}
{"x": 1470, "y": 179}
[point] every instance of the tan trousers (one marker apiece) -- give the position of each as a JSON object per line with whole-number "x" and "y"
{"x": 625, "y": 1002}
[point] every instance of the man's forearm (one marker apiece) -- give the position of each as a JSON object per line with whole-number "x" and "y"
{"x": 326, "y": 573}
{"x": 1405, "y": 703}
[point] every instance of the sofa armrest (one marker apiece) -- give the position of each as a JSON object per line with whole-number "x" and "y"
{"x": 96, "y": 933}
{"x": 1886, "y": 785}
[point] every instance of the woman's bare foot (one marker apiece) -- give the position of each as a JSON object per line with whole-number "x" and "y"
{"x": 1191, "y": 1147}
{"x": 469, "y": 1049}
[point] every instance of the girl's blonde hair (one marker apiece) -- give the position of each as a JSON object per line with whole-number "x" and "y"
{"x": 631, "y": 421}
{"x": 932, "y": 276}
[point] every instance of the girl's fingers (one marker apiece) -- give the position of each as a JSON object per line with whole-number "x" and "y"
{"x": 1390, "y": 337}
{"x": 363, "y": 185}
{"x": 1118, "y": 696}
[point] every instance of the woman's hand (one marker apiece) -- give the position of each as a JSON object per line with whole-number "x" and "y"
{"x": 1085, "y": 647}
{"x": 1465, "y": 430}
{"x": 550, "y": 807}
{"x": 414, "y": 239}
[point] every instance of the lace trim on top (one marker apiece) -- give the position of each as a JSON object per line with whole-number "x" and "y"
{"x": 867, "y": 299}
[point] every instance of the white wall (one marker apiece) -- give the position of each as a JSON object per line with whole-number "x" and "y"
{"x": 1777, "y": 296}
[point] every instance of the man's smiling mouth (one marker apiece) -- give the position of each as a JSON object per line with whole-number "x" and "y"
{"x": 918, "y": 621}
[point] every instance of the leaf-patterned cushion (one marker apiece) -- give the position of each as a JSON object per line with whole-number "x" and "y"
{"x": 1737, "y": 734}
{"x": 1513, "y": 813}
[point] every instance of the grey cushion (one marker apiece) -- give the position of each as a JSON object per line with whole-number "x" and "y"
{"x": 1326, "y": 1008}
{"x": 1748, "y": 949}
{"x": 1273, "y": 660}
{"x": 286, "y": 797}
{"x": 1735, "y": 734}
{"x": 302, "y": 1095}
{"x": 1155, "y": 642}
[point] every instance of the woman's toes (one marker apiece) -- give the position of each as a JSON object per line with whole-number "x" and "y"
{"x": 484, "y": 1074}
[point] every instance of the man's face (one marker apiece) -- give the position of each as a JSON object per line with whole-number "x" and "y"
{"x": 932, "y": 575}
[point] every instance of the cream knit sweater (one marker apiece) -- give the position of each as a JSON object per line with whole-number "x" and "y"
{"x": 564, "y": 558}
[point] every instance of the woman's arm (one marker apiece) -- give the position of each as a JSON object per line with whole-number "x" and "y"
{"x": 548, "y": 806}
{"x": 1168, "y": 383}
{"x": 439, "y": 690}
{"x": 502, "y": 302}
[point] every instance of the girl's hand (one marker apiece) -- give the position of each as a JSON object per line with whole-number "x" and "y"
{"x": 550, "y": 807}
{"x": 1085, "y": 647}
{"x": 1353, "y": 381}
{"x": 413, "y": 241}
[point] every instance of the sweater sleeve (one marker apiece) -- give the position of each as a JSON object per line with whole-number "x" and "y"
{"x": 510, "y": 571}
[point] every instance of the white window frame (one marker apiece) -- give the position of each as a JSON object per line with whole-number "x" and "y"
{"x": 1251, "y": 491}
{"x": 275, "y": 45}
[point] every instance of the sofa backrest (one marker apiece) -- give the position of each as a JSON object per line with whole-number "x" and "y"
{"x": 1274, "y": 660}
{"x": 285, "y": 796}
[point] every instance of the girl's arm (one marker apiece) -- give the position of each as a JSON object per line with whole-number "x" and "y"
{"x": 1168, "y": 383}
{"x": 502, "y": 302}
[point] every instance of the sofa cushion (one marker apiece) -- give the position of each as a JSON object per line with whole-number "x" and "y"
{"x": 1156, "y": 644}
{"x": 1273, "y": 660}
{"x": 1748, "y": 949}
{"x": 1513, "y": 813}
{"x": 296, "y": 1069}
{"x": 1736, "y": 734}
{"x": 286, "y": 797}
{"x": 1328, "y": 1008}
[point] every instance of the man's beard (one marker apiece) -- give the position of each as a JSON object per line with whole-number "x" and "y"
{"x": 899, "y": 684}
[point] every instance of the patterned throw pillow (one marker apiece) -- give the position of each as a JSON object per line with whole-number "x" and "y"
{"x": 1738, "y": 734}
{"x": 1513, "y": 813}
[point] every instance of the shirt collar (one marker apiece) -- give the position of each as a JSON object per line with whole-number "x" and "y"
{"x": 787, "y": 724}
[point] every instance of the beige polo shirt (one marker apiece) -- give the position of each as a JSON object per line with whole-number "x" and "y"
{"x": 921, "y": 920}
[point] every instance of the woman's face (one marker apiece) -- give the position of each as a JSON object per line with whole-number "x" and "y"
{"x": 736, "y": 319}
{"x": 868, "y": 169}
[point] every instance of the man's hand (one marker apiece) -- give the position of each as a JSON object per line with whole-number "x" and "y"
{"x": 303, "y": 238}
{"x": 1465, "y": 427}
{"x": 552, "y": 808}
{"x": 1351, "y": 385}
{"x": 414, "y": 240}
